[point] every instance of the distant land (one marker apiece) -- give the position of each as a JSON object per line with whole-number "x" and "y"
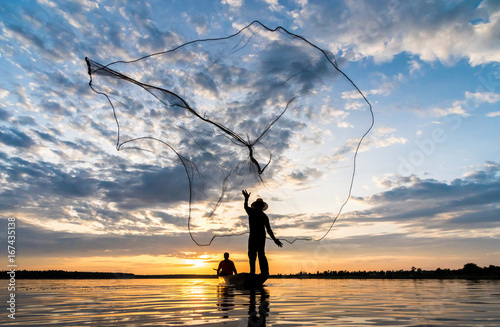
{"x": 469, "y": 271}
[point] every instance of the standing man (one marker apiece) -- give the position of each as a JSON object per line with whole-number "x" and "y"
{"x": 226, "y": 266}
{"x": 259, "y": 223}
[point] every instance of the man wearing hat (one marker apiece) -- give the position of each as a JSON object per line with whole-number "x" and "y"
{"x": 259, "y": 223}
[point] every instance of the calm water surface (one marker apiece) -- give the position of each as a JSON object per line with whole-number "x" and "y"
{"x": 281, "y": 302}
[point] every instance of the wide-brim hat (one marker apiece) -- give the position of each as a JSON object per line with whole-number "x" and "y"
{"x": 260, "y": 202}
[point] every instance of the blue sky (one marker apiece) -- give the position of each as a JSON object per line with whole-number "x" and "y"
{"x": 427, "y": 177}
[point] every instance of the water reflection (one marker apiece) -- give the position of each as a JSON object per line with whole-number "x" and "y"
{"x": 183, "y": 302}
{"x": 225, "y": 299}
{"x": 257, "y": 316}
{"x": 258, "y": 303}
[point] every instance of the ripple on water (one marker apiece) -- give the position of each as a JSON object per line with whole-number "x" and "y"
{"x": 286, "y": 302}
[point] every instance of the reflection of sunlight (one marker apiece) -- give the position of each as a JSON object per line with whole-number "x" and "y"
{"x": 197, "y": 289}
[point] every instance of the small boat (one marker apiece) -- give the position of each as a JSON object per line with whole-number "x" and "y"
{"x": 244, "y": 280}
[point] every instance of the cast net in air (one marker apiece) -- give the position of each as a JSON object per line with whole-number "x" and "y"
{"x": 262, "y": 109}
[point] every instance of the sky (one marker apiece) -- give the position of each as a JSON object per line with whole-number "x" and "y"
{"x": 427, "y": 184}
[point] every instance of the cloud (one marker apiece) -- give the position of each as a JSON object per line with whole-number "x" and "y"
{"x": 206, "y": 83}
{"x": 487, "y": 172}
{"x": 38, "y": 240}
{"x": 432, "y": 204}
{"x": 386, "y": 85}
{"x": 305, "y": 175}
{"x": 352, "y": 94}
{"x": 76, "y": 193}
{"x": 493, "y": 114}
{"x": 274, "y": 5}
{"x": 15, "y": 138}
{"x": 415, "y": 66}
{"x": 147, "y": 186}
{"x": 4, "y": 114}
{"x": 53, "y": 107}
{"x": 45, "y": 179}
{"x": 170, "y": 219}
{"x": 456, "y": 109}
{"x": 483, "y": 97}
{"x": 392, "y": 180}
{"x": 381, "y": 137}
{"x": 429, "y": 30}
{"x": 199, "y": 22}
{"x": 233, "y": 3}
{"x": 463, "y": 107}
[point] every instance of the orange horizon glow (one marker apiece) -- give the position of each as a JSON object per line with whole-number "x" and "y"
{"x": 206, "y": 264}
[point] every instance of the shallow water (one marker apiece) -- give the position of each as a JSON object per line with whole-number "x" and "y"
{"x": 281, "y": 302}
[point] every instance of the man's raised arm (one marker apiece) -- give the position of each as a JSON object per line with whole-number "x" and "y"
{"x": 246, "y": 195}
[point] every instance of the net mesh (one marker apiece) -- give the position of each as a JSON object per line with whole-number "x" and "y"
{"x": 262, "y": 109}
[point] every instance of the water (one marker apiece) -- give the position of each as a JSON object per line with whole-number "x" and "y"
{"x": 282, "y": 302}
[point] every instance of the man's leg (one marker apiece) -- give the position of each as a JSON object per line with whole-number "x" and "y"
{"x": 264, "y": 266}
{"x": 252, "y": 256}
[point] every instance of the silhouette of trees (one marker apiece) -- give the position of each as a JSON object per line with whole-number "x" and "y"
{"x": 469, "y": 271}
{"x": 61, "y": 274}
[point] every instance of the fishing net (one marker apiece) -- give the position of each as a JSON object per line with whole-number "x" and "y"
{"x": 264, "y": 110}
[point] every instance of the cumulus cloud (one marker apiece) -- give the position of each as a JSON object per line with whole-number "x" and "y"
{"x": 4, "y": 114}
{"x": 146, "y": 186}
{"x": 16, "y": 138}
{"x": 382, "y": 137}
{"x": 415, "y": 66}
{"x": 483, "y": 97}
{"x": 305, "y": 175}
{"x": 233, "y": 3}
{"x": 455, "y": 109}
{"x": 438, "y": 205}
{"x": 39, "y": 240}
{"x": 429, "y": 30}
{"x": 274, "y": 5}
{"x": 199, "y": 22}
{"x": 386, "y": 85}
{"x": 415, "y": 207}
{"x": 463, "y": 107}
{"x": 113, "y": 197}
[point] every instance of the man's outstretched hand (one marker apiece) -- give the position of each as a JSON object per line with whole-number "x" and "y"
{"x": 245, "y": 194}
{"x": 278, "y": 243}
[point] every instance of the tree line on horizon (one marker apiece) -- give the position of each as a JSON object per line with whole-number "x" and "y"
{"x": 469, "y": 270}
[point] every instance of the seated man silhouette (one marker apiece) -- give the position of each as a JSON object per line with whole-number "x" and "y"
{"x": 226, "y": 266}
{"x": 259, "y": 223}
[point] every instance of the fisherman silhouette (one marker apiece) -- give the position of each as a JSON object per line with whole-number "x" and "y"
{"x": 226, "y": 266}
{"x": 259, "y": 223}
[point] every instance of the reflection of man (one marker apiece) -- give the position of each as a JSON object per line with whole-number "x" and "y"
{"x": 226, "y": 266}
{"x": 258, "y": 318}
{"x": 259, "y": 224}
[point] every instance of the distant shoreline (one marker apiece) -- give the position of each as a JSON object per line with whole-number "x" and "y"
{"x": 469, "y": 271}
